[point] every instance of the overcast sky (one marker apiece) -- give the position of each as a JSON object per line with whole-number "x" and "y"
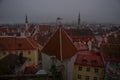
{"x": 101, "y": 11}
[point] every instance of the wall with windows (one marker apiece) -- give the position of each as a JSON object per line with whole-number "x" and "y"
{"x": 32, "y": 55}
{"x": 88, "y": 73}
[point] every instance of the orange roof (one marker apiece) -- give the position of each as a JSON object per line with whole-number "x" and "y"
{"x": 89, "y": 58}
{"x": 17, "y": 43}
{"x": 61, "y": 48}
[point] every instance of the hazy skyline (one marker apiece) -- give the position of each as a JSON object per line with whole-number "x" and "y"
{"x": 100, "y": 11}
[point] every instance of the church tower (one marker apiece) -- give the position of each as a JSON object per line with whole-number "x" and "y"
{"x": 79, "y": 20}
{"x": 26, "y": 23}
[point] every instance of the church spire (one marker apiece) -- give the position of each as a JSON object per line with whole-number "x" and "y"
{"x": 26, "y": 22}
{"x": 79, "y": 19}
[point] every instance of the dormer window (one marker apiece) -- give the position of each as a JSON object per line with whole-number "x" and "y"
{"x": 84, "y": 61}
{"x": 94, "y": 61}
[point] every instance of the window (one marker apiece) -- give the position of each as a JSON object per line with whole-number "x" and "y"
{"x": 87, "y": 78}
{"x": 29, "y": 52}
{"x": 84, "y": 61}
{"x": 95, "y": 78}
{"x": 80, "y": 68}
{"x": 79, "y": 77}
{"x": 96, "y": 70}
{"x": 88, "y": 69}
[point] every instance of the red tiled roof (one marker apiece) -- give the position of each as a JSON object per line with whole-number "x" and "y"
{"x": 114, "y": 40}
{"x": 17, "y": 43}
{"x": 89, "y": 58}
{"x": 53, "y": 47}
{"x": 81, "y": 38}
{"x": 111, "y": 48}
{"x": 44, "y": 28}
{"x": 80, "y": 46}
{"x": 111, "y": 52}
{"x": 30, "y": 70}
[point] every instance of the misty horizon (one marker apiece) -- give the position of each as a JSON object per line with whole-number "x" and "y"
{"x": 41, "y": 11}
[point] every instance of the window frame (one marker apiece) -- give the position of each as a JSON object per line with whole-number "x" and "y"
{"x": 87, "y": 69}
{"x": 96, "y": 70}
{"x": 80, "y": 68}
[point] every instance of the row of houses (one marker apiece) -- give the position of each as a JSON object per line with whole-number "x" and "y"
{"x": 74, "y": 53}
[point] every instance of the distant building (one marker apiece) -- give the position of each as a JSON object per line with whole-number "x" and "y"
{"x": 16, "y": 45}
{"x": 83, "y": 35}
{"x": 88, "y": 65}
{"x": 110, "y": 48}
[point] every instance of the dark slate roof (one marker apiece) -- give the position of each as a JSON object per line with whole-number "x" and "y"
{"x": 81, "y": 32}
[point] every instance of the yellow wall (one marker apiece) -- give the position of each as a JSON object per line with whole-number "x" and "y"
{"x": 33, "y": 55}
{"x": 2, "y": 55}
{"x": 91, "y": 74}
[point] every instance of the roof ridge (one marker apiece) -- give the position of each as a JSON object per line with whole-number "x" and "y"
{"x": 50, "y": 38}
{"x": 68, "y": 37}
{"x": 30, "y": 42}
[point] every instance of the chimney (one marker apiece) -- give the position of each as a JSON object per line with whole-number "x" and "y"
{"x": 22, "y": 34}
{"x": 105, "y": 39}
{"x": 99, "y": 44}
{"x": 107, "y": 35}
{"x": 115, "y": 35}
{"x": 89, "y": 45}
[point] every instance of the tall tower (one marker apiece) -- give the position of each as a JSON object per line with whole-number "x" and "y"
{"x": 79, "y": 20}
{"x": 58, "y": 21}
{"x": 26, "y": 23}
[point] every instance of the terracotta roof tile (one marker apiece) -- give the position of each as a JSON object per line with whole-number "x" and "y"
{"x": 17, "y": 43}
{"x": 81, "y": 46}
{"x": 53, "y": 47}
{"x": 111, "y": 52}
{"x": 111, "y": 48}
{"x": 89, "y": 58}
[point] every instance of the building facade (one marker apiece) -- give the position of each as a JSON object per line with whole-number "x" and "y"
{"x": 17, "y": 45}
{"x": 89, "y": 66}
